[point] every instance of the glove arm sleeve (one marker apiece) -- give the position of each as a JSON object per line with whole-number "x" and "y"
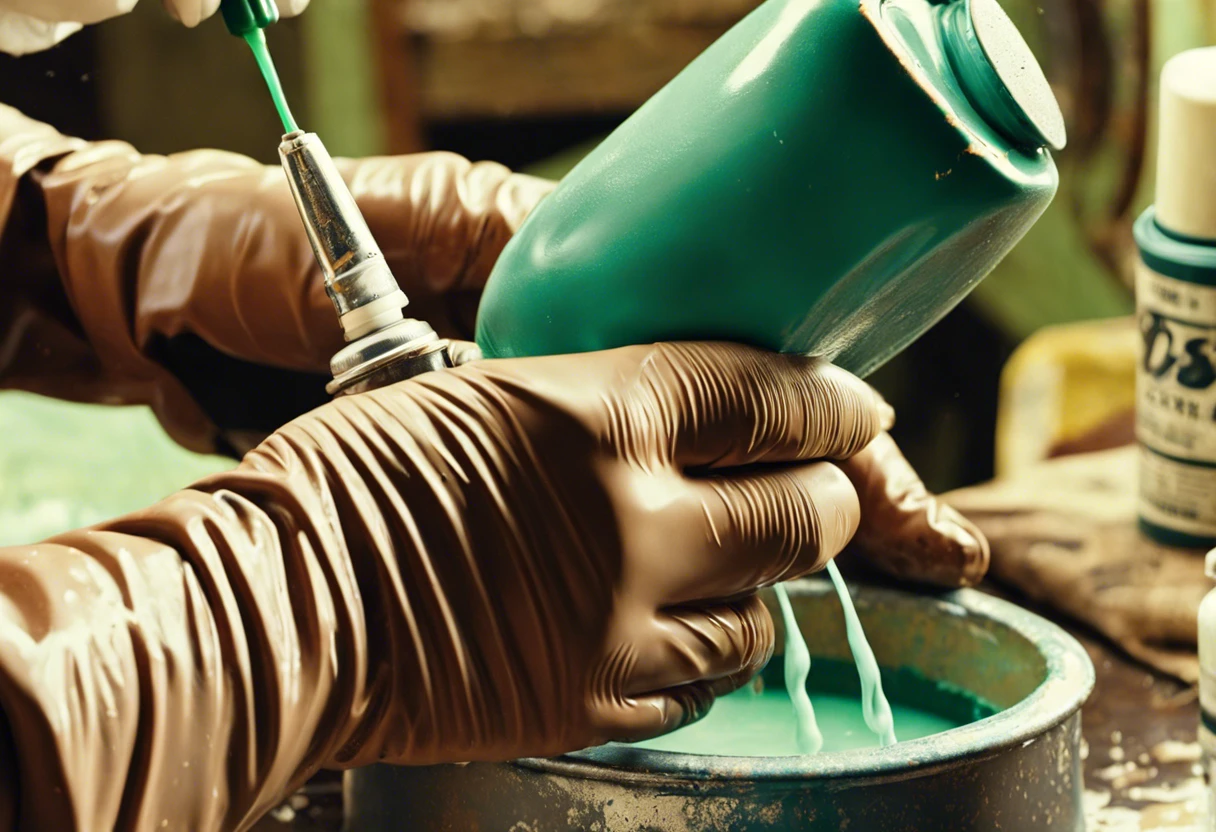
{"x": 188, "y": 665}
{"x": 142, "y": 279}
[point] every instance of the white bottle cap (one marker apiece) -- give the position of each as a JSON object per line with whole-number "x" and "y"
{"x": 1209, "y": 564}
{"x": 1186, "y": 152}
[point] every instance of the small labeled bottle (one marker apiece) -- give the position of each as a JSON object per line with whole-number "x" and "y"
{"x": 1207, "y": 690}
{"x": 1176, "y": 310}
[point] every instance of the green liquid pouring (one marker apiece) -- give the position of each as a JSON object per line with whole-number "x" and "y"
{"x": 797, "y": 668}
{"x": 261, "y": 53}
{"x": 874, "y": 702}
{"x": 875, "y": 708}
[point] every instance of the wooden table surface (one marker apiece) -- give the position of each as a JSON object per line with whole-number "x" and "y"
{"x": 1142, "y": 758}
{"x": 1142, "y": 769}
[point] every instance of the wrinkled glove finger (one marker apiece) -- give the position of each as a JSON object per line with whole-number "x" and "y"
{"x": 736, "y": 406}
{"x": 907, "y": 532}
{"x": 702, "y": 644}
{"x": 639, "y": 718}
{"x": 755, "y": 529}
{"x": 464, "y": 352}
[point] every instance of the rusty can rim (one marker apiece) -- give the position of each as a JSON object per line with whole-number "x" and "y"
{"x": 1069, "y": 681}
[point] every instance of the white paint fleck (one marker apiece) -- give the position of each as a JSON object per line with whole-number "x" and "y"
{"x": 1172, "y": 751}
{"x": 1116, "y": 770}
{"x": 1187, "y": 790}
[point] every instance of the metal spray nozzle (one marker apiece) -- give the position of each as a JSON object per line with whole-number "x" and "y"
{"x": 385, "y": 345}
{"x": 357, "y": 279}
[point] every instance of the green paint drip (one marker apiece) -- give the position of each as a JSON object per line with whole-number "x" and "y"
{"x": 261, "y": 52}
{"x": 797, "y": 668}
{"x": 875, "y": 707}
{"x": 873, "y": 701}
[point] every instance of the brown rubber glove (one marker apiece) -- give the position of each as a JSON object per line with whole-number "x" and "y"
{"x": 173, "y": 280}
{"x": 1064, "y": 532}
{"x": 907, "y": 532}
{"x": 510, "y": 558}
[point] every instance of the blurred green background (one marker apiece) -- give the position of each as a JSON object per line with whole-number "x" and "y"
{"x": 534, "y": 84}
{"x": 63, "y": 466}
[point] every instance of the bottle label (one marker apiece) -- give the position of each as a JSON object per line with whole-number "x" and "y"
{"x": 1176, "y": 403}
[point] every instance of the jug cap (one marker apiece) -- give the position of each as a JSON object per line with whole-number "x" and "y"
{"x": 1186, "y": 146}
{"x": 1000, "y": 76}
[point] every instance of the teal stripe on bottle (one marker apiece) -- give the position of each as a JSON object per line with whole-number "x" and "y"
{"x": 1172, "y": 255}
{"x": 1194, "y": 463}
{"x": 1171, "y": 537}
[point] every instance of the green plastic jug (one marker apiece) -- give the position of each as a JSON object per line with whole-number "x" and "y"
{"x": 830, "y": 178}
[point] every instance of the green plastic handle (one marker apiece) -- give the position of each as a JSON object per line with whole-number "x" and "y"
{"x": 244, "y": 17}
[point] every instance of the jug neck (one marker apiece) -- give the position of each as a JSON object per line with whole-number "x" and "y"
{"x": 999, "y": 74}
